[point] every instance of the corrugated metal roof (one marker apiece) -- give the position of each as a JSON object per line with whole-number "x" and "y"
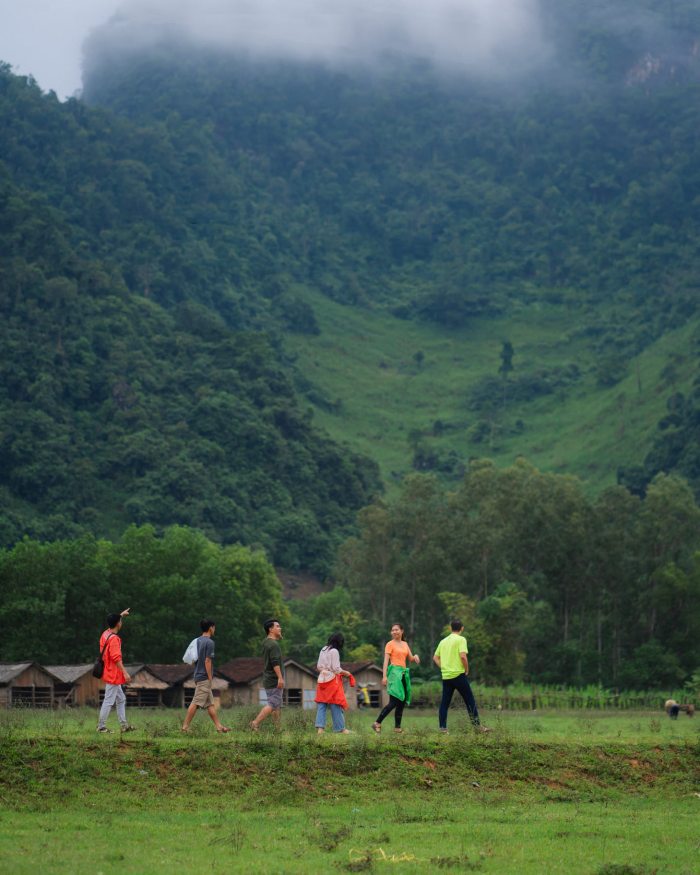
{"x": 69, "y": 674}
{"x": 10, "y": 670}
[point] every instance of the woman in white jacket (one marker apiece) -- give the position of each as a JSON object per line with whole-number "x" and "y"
{"x": 329, "y": 690}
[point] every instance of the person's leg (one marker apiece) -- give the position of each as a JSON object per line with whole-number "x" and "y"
{"x": 463, "y": 686}
{"x": 212, "y": 712}
{"x": 400, "y": 705}
{"x": 447, "y": 693}
{"x": 107, "y": 704}
{"x": 189, "y": 717}
{"x": 338, "y": 718}
{"x": 387, "y": 709}
{"x": 320, "y": 723}
{"x": 265, "y": 712}
{"x": 121, "y": 707}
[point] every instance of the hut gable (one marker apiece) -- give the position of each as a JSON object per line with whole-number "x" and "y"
{"x": 27, "y": 684}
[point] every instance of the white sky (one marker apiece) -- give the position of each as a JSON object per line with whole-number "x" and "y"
{"x": 43, "y": 38}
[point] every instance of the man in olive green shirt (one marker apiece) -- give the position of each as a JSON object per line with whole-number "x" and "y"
{"x": 273, "y": 681}
{"x": 451, "y": 658}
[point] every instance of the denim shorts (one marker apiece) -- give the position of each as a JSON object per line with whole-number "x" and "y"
{"x": 274, "y": 698}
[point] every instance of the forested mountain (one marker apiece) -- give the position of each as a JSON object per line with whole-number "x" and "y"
{"x": 138, "y": 382}
{"x": 165, "y": 240}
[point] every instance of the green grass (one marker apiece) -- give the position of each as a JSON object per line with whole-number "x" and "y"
{"x": 365, "y": 359}
{"x": 602, "y": 794}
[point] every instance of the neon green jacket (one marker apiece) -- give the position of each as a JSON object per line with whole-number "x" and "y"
{"x": 394, "y": 683}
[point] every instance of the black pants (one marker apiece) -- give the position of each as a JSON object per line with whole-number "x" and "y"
{"x": 461, "y": 684}
{"x": 395, "y": 703}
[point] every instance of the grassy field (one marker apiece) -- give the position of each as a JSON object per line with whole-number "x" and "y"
{"x": 607, "y": 794}
{"x": 365, "y": 358}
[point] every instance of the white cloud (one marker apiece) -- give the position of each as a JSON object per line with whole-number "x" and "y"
{"x": 490, "y": 37}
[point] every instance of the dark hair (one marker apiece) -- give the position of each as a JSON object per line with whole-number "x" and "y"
{"x": 456, "y": 625}
{"x": 336, "y": 641}
{"x": 268, "y": 624}
{"x": 205, "y": 625}
{"x": 113, "y": 620}
{"x": 403, "y": 634}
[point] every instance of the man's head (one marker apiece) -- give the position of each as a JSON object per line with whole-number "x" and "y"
{"x": 272, "y": 628}
{"x": 114, "y": 622}
{"x": 208, "y": 627}
{"x": 457, "y": 626}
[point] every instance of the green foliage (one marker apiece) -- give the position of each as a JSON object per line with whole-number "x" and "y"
{"x": 551, "y": 585}
{"x": 54, "y": 596}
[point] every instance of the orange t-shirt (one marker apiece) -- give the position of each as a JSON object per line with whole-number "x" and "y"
{"x": 112, "y": 655}
{"x": 399, "y": 652}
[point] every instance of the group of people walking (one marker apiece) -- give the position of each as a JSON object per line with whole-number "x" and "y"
{"x": 451, "y": 657}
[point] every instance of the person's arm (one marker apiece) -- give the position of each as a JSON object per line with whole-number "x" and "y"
{"x": 127, "y": 676}
{"x": 209, "y": 667}
{"x": 436, "y": 657}
{"x": 336, "y": 667}
{"x": 411, "y": 657}
{"x": 125, "y": 612}
{"x": 116, "y": 654}
{"x": 385, "y": 669}
{"x": 465, "y": 662}
{"x": 278, "y": 672}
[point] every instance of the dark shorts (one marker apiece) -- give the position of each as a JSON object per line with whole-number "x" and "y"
{"x": 274, "y": 698}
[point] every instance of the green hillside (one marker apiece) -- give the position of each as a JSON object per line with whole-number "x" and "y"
{"x": 230, "y": 288}
{"x": 369, "y": 389}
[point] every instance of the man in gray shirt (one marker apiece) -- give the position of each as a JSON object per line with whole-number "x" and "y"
{"x": 203, "y": 676}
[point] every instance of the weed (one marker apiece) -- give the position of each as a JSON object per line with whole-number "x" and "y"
{"x": 365, "y": 863}
{"x": 622, "y": 869}
{"x": 460, "y": 861}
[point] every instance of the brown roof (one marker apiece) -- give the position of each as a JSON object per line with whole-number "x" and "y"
{"x": 171, "y": 674}
{"x": 354, "y": 667}
{"x": 245, "y": 669}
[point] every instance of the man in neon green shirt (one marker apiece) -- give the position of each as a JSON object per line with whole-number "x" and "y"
{"x": 451, "y": 658}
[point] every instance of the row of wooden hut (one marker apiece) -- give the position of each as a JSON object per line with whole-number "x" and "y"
{"x": 237, "y": 682}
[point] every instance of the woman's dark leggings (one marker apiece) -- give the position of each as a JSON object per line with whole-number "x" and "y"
{"x": 395, "y": 703}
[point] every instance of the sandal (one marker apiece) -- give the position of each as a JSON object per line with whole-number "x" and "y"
{"x": 224, "y": 729}
{"x": 377, "y": 727}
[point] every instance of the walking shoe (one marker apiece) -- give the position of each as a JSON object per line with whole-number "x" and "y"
{"x": 377, "y": 727}
{"x": 224, "y": 729}
{"x": 254, "y": 726}
{"x": 128, "y": 728}
{"x": 103, "y": 729}
{"x": 444, "y": 731}
{"x": 481, "y": 728}
{"x": 398, "y": 729}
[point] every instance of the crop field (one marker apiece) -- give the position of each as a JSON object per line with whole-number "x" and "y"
{"x": 599, "y": 793}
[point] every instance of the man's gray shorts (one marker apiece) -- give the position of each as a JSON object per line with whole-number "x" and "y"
{"x": 274, "y": 698}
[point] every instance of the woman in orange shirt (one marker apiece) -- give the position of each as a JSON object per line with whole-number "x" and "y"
{"x": 396, "y": 677}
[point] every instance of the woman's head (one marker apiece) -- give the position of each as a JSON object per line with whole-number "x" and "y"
{"x": 397, "y": 632}
{"x": 336, "y": 641}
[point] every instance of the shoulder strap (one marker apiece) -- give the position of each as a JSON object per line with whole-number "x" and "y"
{"x": 105, "y": 645}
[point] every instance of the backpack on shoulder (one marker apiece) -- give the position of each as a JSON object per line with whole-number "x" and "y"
{"x": 190, "y": 655}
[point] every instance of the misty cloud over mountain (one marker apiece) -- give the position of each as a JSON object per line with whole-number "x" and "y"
{"x": 483, "y": 38}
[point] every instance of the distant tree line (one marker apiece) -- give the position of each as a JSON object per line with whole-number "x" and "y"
{"x": 55, "y": 596}
{"x": 554, "y": 586}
